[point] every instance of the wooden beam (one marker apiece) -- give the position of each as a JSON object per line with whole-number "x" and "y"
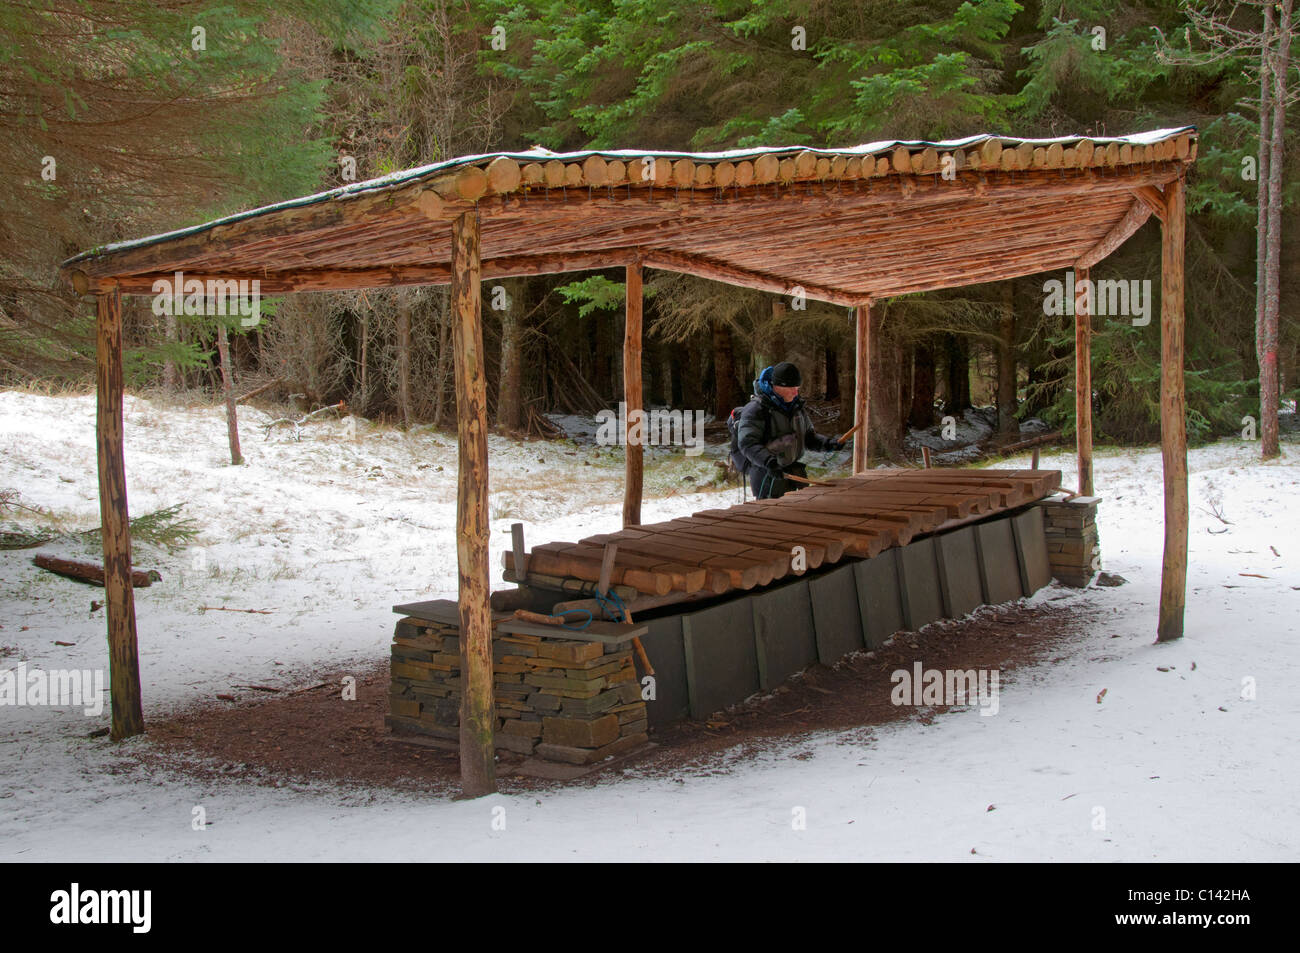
{"x": 1173, "y": 411}
{"x": 686, "y": 264}
{"x": 339, "y": 279}
{"x": 477, "y": 710}
{"x": 1152, "y": 198}
{"x": 861, "y": 385}
{"x": 633, "y": 455}
{"x": 123, "y": 654}
{"x": 1083, "y": 380}
{"x": 1133, "y": 219}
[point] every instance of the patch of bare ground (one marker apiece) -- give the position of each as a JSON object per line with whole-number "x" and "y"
{"x": 313, "y": 736}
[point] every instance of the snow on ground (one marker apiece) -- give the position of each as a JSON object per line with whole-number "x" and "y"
{"x": 331, "y": 531}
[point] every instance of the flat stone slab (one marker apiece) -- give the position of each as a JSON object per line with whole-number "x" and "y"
{"x": 560, "y": 771}
{"x": 919, "y": 583}
{"x": 783, "y": 633}
{"x": 721, "y": 658}
{"x": 836, "y": 615}
{"x": 959, "y": 573}
{"x": 879, "y": 597}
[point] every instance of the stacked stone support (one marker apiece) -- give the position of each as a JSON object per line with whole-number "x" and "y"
{"x": 1073, "y": 547}
{"x": 559, "y": 698}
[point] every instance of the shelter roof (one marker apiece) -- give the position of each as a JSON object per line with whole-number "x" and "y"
{"x": 845, "y": 225}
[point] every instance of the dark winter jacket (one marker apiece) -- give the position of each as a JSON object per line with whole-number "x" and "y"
{"x": 770, "y": 427}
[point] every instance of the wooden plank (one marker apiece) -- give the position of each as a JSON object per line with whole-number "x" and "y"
{"x": 517, "y": 548}
{"x": 897, "y": 531}
{"x": 478, "y": 709}
{"x": 1173, "y": 422}
{"x": 725, "y": 530}
{"x": 123, "y": 653}
{"x": 688, "y": 578}
{"x": 633, "y": 455}
{"x": 742, "y": 572}
{"x": 609, "y": 633}
{"x": 825, "y": 546}
{"x": 588, "y": 570}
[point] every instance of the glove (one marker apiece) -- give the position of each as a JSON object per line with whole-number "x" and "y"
{"x": 834, "y": 445}
{"x": 774, "y": 465}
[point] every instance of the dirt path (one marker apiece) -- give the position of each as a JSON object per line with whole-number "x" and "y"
{"x": 285, "y": 740}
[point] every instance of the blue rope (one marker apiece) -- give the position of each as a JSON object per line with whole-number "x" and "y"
{"x": 577, "y": 628}
{"x": 612, "y": 605}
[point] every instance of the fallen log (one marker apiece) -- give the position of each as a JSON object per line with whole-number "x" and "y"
{"x": 92, "y": 573}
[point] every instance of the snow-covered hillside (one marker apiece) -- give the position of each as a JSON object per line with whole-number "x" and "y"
{"x": 330, "y": 531}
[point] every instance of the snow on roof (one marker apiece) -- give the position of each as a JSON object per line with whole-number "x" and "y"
{"x": 536, "y": 153}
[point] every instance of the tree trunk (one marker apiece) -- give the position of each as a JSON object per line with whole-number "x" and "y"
{"x": 1268, "y": 380}
{"x": 832, "y": 373}
{"x": 1007, "y": 424}
{"x": 845, "y": 359}
{"x": 726, "y": 389}
{"x": 885, "y": 374}
{"x": 363, "y": 401}
{"x": 510, "y": 407}
{"x": 228, "y": 388}
{"x": 774, "y": 339}
{"x": 958, "y": 376}
{"x": 692, "y": 375}
{"x": 921, "y": 412}
{"x": 404, "y": 356}
{"x": 169, "y": 366}
{"x": 816, "y": 383}
{"x": 444, "y": 364}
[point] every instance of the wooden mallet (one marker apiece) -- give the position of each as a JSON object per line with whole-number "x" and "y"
{"x": 849, "y": 433}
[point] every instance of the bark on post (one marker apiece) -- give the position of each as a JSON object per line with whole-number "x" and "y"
{"x": 1083, "y": 380}
{"x": 632, "y": 397}
{"x": 1173, "y": 429}
{"x": 861, "y": 386}
{"x": 477, "y": 710}
{"x": 123, "y": 655}
{"x": 228, "y": 391}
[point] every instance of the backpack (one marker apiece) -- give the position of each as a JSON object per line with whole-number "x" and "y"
{"x": 738, "y": 460}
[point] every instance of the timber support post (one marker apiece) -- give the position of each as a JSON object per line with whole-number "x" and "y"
{"x": 1083, "y": 378}
{"x": 1173, "y": 423}
{"x": 632, "y": 398}
{"x": 123, "y": 652}
{"x": 478, "y": 707}
{"x": 861, "y": 386}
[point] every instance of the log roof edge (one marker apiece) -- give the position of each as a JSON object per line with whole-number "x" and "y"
{"x": 454, "y": 183}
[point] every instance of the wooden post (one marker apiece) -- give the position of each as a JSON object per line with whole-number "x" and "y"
{"x": 862, "y": 386}
{"x": 1083, "y": 380}
{"x": 477, "y": 709}
{"x": 1173, "y": 423}
{"x": 633, "y": 455}
{"x": 123, "y": 655}
{"x": 517, "y": 547}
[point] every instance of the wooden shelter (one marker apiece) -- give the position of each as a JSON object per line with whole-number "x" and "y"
{"x": 846, "y": 226}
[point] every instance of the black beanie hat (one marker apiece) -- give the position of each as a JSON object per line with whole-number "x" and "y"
{"x": 786, "y": 374}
